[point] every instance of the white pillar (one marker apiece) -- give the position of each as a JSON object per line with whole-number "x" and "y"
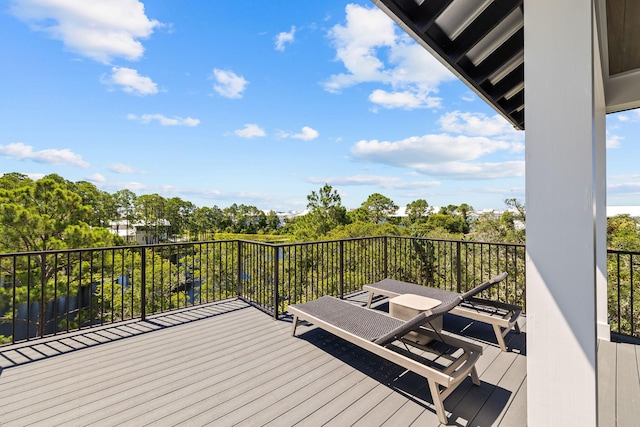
{"x": 561, "y": 176}
{"x": 603, "y": 331}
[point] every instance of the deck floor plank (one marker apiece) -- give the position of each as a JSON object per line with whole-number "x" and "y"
{"x": 143, "y": 367}
{"x": 516, "y": 413}
{"x": 159, "y": 400}
{"x": 502, "y": 395}
{"x": 628, "y": 386}
{"x": 607, "y": 366}
{"x": 148, "y": 362}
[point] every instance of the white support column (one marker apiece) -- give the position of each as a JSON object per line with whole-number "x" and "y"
{"x": 603, "y": 331}
{"x": 561, "y": 176}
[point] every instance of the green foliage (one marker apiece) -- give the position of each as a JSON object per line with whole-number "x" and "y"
{"x": 325, "y": 211}
{"x": 418, "y": 211}
{"x": 508, "y": 227}
{"x": 41, "y": 215}
{"x": 363, "y": 229}
{"x": 180, "y": 215}
{"x": 325, "y": 214}
{"x": 451, "y": 223}
{"x": 623, "y": 233}
{"x": 102, "y": 207}
{"x": 379, "y": 208}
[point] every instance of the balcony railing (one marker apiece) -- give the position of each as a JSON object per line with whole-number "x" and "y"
{"x": 46, "y": 293}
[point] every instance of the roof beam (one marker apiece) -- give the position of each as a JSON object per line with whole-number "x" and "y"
{"x": 503, "y": 54}
{"x": 495, "y": 13}
{"x": 425, "y": 14}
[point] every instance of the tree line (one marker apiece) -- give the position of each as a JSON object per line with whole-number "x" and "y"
{"x": 54, "y": 213}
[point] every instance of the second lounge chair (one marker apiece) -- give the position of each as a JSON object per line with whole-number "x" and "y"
{"x": 501, "y": 316}
{"x": 377, "y": 332}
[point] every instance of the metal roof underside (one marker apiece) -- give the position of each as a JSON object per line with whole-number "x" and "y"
{"x": 482, "y": 42}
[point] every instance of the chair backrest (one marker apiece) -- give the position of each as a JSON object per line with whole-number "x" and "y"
{"x": 481, "y": 287}
{"x": 415, "y": 322}
{"x": 427, "y": 316}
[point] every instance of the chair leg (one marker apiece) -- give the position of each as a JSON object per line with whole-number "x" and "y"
{"x": 517, "y": 327}
{"x": 293, "y": 326}
{"x": 500, "y": 337}
{"x": 370, "y": 300}
{"x": 474, "y": 376}
{"x": 437, "y": 402}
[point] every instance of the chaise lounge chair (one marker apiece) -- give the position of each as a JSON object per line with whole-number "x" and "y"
{"x": 377, "y": 332}
{"x": 503, "y": 317}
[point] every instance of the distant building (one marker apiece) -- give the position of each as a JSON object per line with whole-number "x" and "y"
{"x": 621, "y": 210}
{"x": 287, "y": 215}
{"x": 141, "y": 232}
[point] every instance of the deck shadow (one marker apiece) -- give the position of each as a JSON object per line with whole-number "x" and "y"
{"x": 64, "y": 343}
{"x": 483, "y": 332}
{"x": 462, "y": 405}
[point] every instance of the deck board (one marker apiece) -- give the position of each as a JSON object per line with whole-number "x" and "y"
{"x": 228, "y": 363}
{"x": 628, "y": 386}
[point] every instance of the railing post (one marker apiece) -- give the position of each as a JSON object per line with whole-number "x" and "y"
{"x": 14, "y": 310}
{"x": 632, "y": 311}
{"x": 42, "y": 312}
{"x": 276, "y": 281}
{"x": 143, "y": 283}
{"x": 458, "y": 268}
{"x": 239, "y": 275}
{"x": 341, "y": 269}
{"x": 385, "y": 256}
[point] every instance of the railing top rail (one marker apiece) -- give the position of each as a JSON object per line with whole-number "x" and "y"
{"x": 622, "y": 252}
{"x": 314, "y": 242}
{"x": 174, "y": 244}
{"x": 471, "y": 242}
{"x": 111, "y": 248}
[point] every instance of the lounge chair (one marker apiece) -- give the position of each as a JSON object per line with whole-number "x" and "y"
{"x": 378, "y": 332}
{"x": 503, "y": 317}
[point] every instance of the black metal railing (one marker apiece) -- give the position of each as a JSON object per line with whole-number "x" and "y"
{"x": 623, "y": 286}
{"x": 46, "y": 293}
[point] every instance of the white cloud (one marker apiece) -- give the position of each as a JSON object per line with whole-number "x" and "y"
{"x": 98, "y": 29}
{"x": 228, "y": 83}
{"x": 35, "y": 176}
{"x": 164, "y": 120}
{"x": 431, "y": 149}
{"x": 284, "y": 38}
{"x": 131, "y": 81}
{"x": 250, "y": 131}
{"x": 613, "y": 141}
{"x": 443, "y": 155}
{"x": 476, "y": 124}
{"x": 51, "y": 156}
{"x": 629, "y": 188}
{"x": 133, "y": 186}
{"x": 121, "y": 168}
{"x": 307, "y": 134}
{"x": 405, "y": 99}
{"x": 97, "y": 178}
{"x": 473, "y": 170}
{"x": 373, "y": 50}
{"x": 390, "y": 182}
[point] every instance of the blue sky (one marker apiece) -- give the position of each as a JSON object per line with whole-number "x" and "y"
{"x": 257, "y": 103}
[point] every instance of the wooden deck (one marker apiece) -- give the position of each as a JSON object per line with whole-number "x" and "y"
{"x": 228, "y": 363}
